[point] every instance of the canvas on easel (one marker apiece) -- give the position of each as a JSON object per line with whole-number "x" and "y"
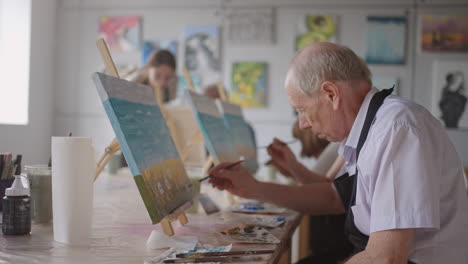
{"x": 243, "y": 137}
{"x": 188, "y": 133}
{"x": 218, "y": 139}
{"x": 147, "y": 145}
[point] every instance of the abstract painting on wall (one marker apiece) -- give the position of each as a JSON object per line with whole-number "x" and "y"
{"x": 218, "y": 139}
{"x": 385, "y": 40}
{"x": 121, "y": 33}
{"x": 249, "y": 87}
{"x": 146, "y": 143}
{"x": 202, "y": 52}
{"x": 315, "y": 28}
{"x": 250, "y": 25}
{"x": 153, "y": 46}
{"x": 449, "y": 95}
{"x": 444, "y": 32}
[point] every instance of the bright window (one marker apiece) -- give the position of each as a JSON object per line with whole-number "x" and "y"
{"x": 15, "y": 34}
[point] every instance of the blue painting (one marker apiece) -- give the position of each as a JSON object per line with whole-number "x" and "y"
{"x": 218, "y": 139}
{"x": 153, "y": 46}
{"x": 242, "y": 133}
{"x": 146, "y": 143}
{"x": 385, "y": 42}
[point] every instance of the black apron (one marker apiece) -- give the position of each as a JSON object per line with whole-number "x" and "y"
{"x": 346, "y": 185}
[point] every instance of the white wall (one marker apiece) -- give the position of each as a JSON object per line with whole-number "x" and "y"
{"x": 33, "y": 140}
{"x": 78, "y": 108}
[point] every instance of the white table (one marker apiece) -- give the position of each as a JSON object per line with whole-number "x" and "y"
{"x": 121, "y": 227}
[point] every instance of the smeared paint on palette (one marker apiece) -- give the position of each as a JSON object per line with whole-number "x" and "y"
{"x": 248, "y": 234}
{"x": 264, "y": 220}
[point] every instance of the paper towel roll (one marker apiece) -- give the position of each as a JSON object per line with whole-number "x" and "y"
{"x": 72, "y": 189}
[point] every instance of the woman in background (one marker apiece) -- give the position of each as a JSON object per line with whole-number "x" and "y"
{"x": 160, "y": 70}
{"x": 327, "y": 163}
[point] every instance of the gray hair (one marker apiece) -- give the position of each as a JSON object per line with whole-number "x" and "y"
{"x": 322, "y": 62}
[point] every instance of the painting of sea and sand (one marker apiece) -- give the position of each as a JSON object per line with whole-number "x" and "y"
{"x": 218, "y": 138}
{"x": 243, "y": 137}
{"x": 146, "y": 144}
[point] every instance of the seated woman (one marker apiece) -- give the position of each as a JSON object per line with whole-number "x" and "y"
{"x": 160, "y": 70}
{"x": 327, "y": 165}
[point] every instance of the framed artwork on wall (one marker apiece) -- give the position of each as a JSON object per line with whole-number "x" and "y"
{"x": 315, "y": 28}
{"x": 122, "y": 33}
{"x": 385, "y": 40}
{"x": 449, "y": 93}
{"x": 202, "y": 52}
{"x": 248, "y": 84}
{"x": 444, "y": 32}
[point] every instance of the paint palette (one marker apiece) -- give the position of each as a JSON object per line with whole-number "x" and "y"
{"x": 248, "y": 234}
{"x": 257, "y": 208}
{"x": 264, "y": 220}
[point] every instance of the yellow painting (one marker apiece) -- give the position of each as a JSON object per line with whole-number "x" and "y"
{"x": 167, "y": 186}
{"x": 249, "y": 84}
{"x": 315, "y": 28}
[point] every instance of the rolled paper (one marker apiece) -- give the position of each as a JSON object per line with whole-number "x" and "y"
{"x": 72, "y": 189}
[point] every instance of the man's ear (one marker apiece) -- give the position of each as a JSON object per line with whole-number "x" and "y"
{"x": 332, "y": 93}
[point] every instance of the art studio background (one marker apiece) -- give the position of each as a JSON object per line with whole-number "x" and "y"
{"x": 48, "y": 91}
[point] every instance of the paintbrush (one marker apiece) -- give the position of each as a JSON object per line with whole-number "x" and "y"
{"x": 50, "y": 158}
{"x": 213, "y": 259}
{"x": 225, "y": 168}
{"x": 284, "y": 143}
{"x": 219, "y": 254}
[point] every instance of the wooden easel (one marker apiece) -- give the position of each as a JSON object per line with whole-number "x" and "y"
{"x": 179, "y": 213}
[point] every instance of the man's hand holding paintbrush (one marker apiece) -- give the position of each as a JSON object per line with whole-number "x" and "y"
{"x": 282, "y": 158}
{"x": 233, "y": 178}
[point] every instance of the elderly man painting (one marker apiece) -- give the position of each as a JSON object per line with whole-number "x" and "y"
{"x": 402, "y": 185}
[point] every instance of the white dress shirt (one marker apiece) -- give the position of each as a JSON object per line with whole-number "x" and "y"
{"x": 409, "y": 176}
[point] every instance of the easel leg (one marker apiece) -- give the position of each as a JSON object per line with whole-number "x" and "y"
{"x": 167, "y": 227}
{"x": 183, "y": 219}
{"x": 286, "y": 255}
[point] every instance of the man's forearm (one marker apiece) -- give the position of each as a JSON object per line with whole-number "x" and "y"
{"x": 360, "y": 258}
{"x": 304, "y": 176}
{"x": 315, "y": 198}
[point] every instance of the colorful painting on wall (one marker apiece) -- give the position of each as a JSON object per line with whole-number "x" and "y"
{"x": 202, "y": 52}
{"x": 315, "y": 28}
{"x": 249, "y": 87}
{"x": 444, "y": 32}
{"x": 146, "y": 144}
{"x": 121, "y": 33}
{"x": 386, "y": 40}
{"x": 449, "y": 95}
{"x": 153, "y": 46}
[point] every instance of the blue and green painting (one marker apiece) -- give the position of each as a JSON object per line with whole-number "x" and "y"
{"x": 242, "y": 133}
{"x": 218, "y": 139}
{"x": 146, "y": 143}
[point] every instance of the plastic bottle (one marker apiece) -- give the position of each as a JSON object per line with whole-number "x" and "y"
{"x": 16, "y": 209}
